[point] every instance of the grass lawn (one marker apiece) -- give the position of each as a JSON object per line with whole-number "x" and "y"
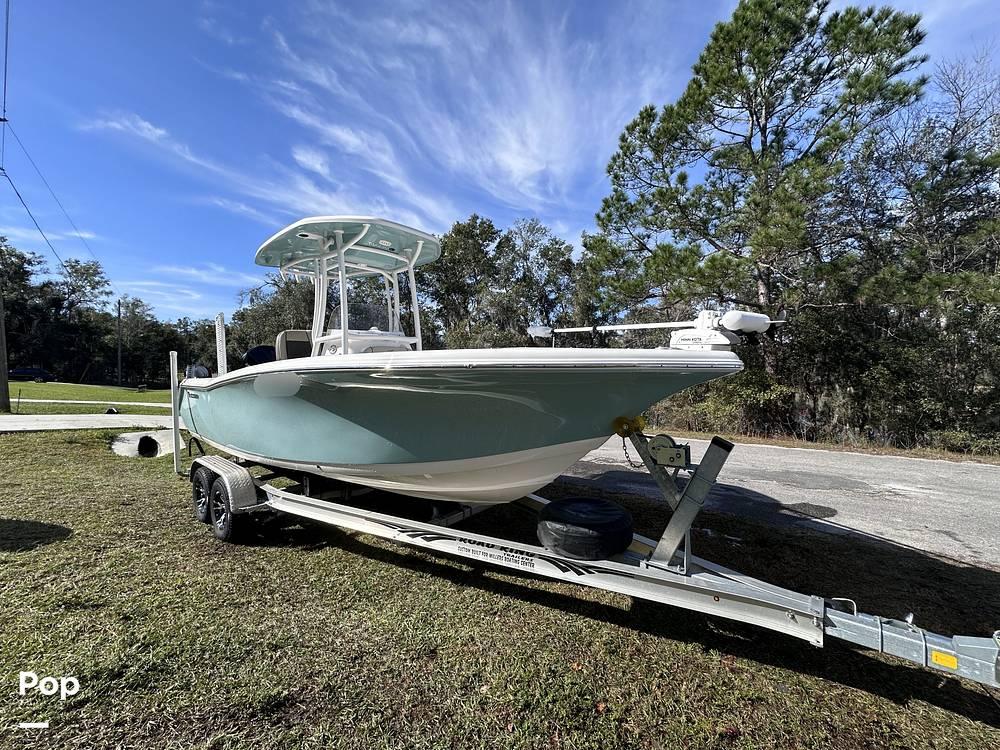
{"x": 312, "y": 637}
{"x": 75, "y": 392}
{"x": 57, "y": 408}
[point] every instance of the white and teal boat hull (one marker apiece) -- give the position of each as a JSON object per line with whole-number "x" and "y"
{"x": 473, "y": 426}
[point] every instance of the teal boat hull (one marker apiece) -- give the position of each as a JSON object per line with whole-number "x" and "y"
{"x": 471, "y": 434}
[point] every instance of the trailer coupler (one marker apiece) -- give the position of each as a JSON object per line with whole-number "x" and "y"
{"x": 972, "y": 657}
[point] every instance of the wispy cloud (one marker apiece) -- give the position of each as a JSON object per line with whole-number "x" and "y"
{"x": 30, "y": 235}
{"x": 159, "y": 290}
{"x": 213, "y": 274}
{"x": 518, "y": 106}
{"x": 427, "y": 116}
{"x": 210, "y": 21}
{"x": 176, "y": 299}
{"x": 312, "y": 159}
{"x": 497, "y": 100}
{"x": 132, "y": 125}
{"x": 127, "y": 122}
{"x": 280, "y": 187}
{"x": 243, "y": 209}
{"x": 214, "y": 28}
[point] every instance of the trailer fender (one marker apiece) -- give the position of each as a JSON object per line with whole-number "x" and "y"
{"x": 239, "y": 482}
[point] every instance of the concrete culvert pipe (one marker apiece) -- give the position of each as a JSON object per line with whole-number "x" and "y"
{"x": 148, "y": 447}
{"x": 144, "y": 444}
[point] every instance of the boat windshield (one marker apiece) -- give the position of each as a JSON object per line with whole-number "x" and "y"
{"x": 363, "y": 316}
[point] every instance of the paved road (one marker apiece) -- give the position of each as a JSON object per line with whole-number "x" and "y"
{"x": 37, "y": 422}
{"x": 944, "y": 507}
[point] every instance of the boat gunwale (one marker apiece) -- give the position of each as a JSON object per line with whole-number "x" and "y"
{"x": 207, "y": 384}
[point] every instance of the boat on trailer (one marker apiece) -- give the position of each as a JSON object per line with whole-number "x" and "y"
{"x": 373, "y": 407}
{"x": 464, "y": 430}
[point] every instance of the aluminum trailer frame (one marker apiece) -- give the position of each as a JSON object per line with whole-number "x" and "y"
{"x": 663, "y": 570}
{"x": 681, "y": 580}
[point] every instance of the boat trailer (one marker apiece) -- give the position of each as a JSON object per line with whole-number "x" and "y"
{"x": 663, "y": 570}
{"x": 660, "y": 570}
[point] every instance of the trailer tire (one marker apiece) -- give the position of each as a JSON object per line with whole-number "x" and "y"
{"x": 226, "y": 525}
{"x": 201, "y": 489}
{"x": 585, "y": 528}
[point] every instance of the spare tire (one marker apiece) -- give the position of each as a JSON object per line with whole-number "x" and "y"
{"x": 585, "y": 528}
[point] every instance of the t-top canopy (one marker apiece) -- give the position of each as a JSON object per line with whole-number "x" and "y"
{"x": 372, "y": 246}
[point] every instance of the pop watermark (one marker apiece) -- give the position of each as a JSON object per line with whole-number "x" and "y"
{"x": 64, "y": 686}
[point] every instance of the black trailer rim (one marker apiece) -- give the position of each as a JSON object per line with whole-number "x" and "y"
{"x": 200, "y": 499}
{"x": 220, "y": 509}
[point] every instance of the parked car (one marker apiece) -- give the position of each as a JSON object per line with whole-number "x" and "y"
{"x": 31, "y": 373}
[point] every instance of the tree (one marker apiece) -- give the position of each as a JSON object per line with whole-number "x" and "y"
{"x": 490, "y": 285}
{"x": 712, "y": 196}
{"x": 936, "y": 292}
{"x": 543, "y": 266}
{"x": 83, "y": 285}
{"x": 28, "y": 305}
{"x": 16, "y": 269}
{"x": 456, "y": 284}
{"x": 277, "y": 305}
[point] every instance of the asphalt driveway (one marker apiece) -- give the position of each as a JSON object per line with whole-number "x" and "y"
{"x": 944, "y": 507}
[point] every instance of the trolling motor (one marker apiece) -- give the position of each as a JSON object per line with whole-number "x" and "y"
{"x": 710, "y": 331}
{"x": 714, "y": 331}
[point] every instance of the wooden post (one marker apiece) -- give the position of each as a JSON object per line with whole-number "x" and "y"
{"x": 118, "y": 329}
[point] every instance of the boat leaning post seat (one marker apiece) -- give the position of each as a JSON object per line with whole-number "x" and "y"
{"x": 293, "y": 344}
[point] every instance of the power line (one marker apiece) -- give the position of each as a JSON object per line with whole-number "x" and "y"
{"x": 6, "y": 174}
{"x": 6, "y": 47}
{"x": 33, "y": 220}
{"x": 62, "y": 208}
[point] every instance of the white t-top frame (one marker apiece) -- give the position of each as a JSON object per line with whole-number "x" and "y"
{"x": 335, "y": 249}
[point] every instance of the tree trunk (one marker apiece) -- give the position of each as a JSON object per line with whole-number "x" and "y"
{"x": 767, "y": 349}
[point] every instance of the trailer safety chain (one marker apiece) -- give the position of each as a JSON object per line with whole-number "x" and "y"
{"x": 628, "y": 458}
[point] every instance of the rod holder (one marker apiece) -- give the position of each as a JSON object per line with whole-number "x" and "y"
{"x": 175, "y": 417}
{"x": 220, "y": 344}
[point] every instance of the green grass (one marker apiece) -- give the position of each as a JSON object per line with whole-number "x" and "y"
{"x": 63, "y": 408}
{"x": 74, "y": 392}
{"x": 311, "y": 637}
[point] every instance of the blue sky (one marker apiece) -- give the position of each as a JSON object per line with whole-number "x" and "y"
{"x": 179, "y": 135}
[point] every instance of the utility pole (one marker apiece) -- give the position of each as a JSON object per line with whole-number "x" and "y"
{"x": 119, "y": 330}
{"x": 4, "y": 392}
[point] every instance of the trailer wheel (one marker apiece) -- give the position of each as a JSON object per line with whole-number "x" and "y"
{"x": 585, "y": 528}
{"x": 201, "y": 489}
{"x": 227, "y": 526}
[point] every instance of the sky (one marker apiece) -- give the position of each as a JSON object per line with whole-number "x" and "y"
{"x": 179, "y": 135}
